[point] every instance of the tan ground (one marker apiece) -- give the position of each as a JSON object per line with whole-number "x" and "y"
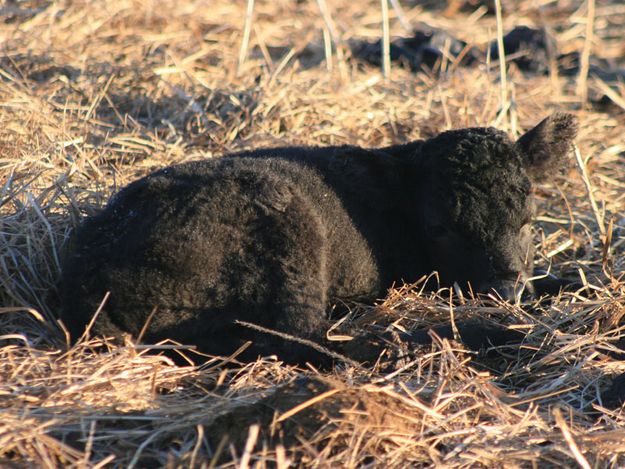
{"x": 94, "y": 94}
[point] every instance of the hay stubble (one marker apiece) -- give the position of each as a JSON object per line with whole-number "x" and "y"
{"x": 93, "y": 97}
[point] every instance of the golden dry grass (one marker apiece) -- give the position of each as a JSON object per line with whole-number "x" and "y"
{"x": 94, "y": 94}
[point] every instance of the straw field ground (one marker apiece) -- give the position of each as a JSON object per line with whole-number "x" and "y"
{"x": 94, "y": 94}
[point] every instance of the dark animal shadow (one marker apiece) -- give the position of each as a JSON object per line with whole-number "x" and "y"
{"x": 547, "y": 284}
{"x": 39, "y": 68}
{"x": 614, "y": 396}
{"x": 389, "y": 349}
{"x": 425, "y": 50}
{"x": 531, "y": 50}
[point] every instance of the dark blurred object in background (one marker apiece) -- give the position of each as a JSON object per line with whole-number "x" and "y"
{"x": 529, "y": 48}
{"x": 425, "y": 49}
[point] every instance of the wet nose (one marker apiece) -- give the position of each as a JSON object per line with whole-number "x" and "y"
{"x": 511, "y": 290}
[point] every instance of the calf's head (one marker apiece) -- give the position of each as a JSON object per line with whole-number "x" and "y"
{"x": 476, "y": 204}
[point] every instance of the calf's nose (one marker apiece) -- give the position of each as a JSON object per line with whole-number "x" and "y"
{"x": 510, "y": 290}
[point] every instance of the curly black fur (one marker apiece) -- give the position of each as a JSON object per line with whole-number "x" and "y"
{"x": 274, "y": 237}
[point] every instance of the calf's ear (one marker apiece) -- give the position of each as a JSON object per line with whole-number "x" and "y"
{"x": 546, "y": 146}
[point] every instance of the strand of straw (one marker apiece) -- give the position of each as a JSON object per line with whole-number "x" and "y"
{"x": 386, "y": 41}
{"x": 246, "y": 35}
{"x": 329, "y": 26}
{"x": 568, "y": 437}
{"x": 399, "y": 11}
{"x": 589, "y": 191}
{"x": 582, "y": 83}
{"x": 327, "y": 43}
{"x": 502, "y": 58}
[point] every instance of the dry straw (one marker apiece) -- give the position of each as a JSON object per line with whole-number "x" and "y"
{"x": 91, "y": 98}
{"x": 386, "y": 41}
{"x": 505, "y": 105}
{"x": 582, "y": 85}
